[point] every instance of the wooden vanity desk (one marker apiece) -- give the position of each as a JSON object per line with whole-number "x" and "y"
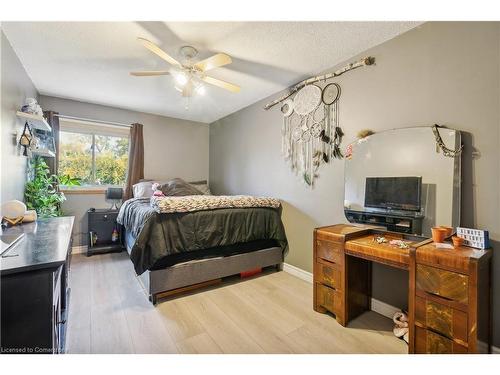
{"x": 449, "y": 289}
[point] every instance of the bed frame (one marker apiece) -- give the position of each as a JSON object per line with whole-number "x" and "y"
{"x": 199, "y": 273}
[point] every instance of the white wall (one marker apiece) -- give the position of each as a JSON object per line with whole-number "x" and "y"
{"x": 445, "y": 73}
{"x": 172, "y": 148}
{"x": 16, "y": 86}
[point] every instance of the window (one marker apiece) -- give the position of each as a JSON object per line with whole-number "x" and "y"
{"x": 96, "y": 154}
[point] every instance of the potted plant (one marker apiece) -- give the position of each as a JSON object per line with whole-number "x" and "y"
{"x": 41, "y": 193}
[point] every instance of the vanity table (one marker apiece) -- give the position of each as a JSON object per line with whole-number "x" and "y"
{"x": 449, "y": 289}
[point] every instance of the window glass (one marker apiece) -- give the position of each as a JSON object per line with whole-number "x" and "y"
{"x": 97, "y": 160}
{"x": 111, "y": 160}
{"x": 75, "y": 156}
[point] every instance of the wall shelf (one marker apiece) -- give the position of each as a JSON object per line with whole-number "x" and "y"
{"x": 43, "y": 152}
{"x": 35, "y": 121}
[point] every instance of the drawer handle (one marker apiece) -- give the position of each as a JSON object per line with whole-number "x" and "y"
{"x": 329, "y": 261}
{"x": 330, "y": 287}
{"x": 439, "y": 333}
{"x": 439, "y": 296}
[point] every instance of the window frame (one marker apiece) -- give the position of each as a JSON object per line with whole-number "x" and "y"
{"x": 74, "y": 129}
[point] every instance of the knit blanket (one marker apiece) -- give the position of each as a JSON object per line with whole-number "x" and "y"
{"x": 191, "y": 203}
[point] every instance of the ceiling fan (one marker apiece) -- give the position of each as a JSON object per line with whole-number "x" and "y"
{"x": 189, "y": 76}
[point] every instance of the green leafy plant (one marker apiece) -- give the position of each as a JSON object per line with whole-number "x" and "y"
{"x": 67, "y": 180}
{"x": 41, "y": 192}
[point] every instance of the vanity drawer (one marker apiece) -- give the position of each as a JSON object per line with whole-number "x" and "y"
{"x": 329, "y": 274}
{"x": 449, "y": 285}
{"x": 428, "y": 342}
{"x": 443, "y": 319}
{"x": 331, "y": 251}
{"x": 329, "y": 298}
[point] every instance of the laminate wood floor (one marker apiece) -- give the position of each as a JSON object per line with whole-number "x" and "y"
{"x": 272, "y": 313}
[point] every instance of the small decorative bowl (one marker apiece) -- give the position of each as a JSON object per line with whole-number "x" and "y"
{"x": 457, "y": 241}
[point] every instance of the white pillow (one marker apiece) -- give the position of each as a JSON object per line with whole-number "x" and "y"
{"x": 143, "y": 189}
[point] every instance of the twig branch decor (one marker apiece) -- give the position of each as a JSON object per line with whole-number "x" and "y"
{"x": 440, "y": 144}
{"x": 363, "y": 62}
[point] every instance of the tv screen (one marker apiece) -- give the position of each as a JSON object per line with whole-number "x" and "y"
{"x": 400, "y": 193}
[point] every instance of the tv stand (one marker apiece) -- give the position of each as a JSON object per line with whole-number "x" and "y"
{"x": 393, "y": 221}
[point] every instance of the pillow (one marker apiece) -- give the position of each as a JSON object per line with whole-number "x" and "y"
{"x": 201, "y": 186}
{"x": 143, "y": 189}
{"x": 178, "y": 187}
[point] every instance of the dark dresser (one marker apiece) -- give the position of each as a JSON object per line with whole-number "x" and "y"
{"x": 34, "y": 287}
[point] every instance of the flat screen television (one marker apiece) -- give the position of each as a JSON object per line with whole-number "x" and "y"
{"x": 393, "y": 193}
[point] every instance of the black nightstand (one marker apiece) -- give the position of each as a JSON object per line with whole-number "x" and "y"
{"x": 102, "y": 223}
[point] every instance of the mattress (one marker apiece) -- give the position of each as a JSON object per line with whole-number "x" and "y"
{"x": 158, "y": 240}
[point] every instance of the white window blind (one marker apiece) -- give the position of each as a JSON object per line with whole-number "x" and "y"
{"x": 87, "y": 127}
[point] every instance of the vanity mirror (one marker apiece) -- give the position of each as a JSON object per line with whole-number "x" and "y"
{"x": 403, "y": 180}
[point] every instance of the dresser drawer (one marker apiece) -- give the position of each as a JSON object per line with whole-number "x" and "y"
{"x": 329, "y": 298}
{"x": 428, "y": 342}
{"x": 443, "y": 319}
{"x": 449, "y": 285}
{"x": 331, "y": 251}
{"x": 329, "y": 274}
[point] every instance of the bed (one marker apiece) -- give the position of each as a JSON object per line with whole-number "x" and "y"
{"x": 174, "y": 249}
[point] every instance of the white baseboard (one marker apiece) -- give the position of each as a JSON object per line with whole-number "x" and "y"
{"x": 79, "y": 249}
{"x": 298, "y": 272}
{"x": 383, "y": 308}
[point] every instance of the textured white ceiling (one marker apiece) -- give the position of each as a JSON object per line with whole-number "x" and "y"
{"x": 91, "y": 61}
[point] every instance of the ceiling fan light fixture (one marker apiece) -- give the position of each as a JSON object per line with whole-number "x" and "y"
{"x": 181, "y": 78}
{"x": 189, "y": 76}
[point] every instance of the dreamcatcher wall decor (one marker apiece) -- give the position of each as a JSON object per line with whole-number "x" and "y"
{"x": 311, "y": 133}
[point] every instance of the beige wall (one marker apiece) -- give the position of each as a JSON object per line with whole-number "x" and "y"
{"x": 172, "y": 148}
{"x": 16, "y": 86}
{"x": 445, "y": 73}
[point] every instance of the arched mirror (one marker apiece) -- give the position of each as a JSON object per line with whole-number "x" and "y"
{"x": 403, "y": 180}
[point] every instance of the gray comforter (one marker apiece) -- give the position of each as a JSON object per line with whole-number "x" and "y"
{"x": 159, "y": 235}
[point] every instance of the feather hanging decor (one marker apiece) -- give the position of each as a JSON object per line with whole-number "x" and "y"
{"x": 311, "y": 133}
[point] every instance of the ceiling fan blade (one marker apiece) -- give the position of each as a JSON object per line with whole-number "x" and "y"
{"x": 219, "y": 59}
{"x": 157, "y": 50}
{"x": 222, "y": 84}
{"x": 150, "y": 73}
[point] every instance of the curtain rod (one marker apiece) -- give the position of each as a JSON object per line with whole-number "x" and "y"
{"x": 92, "y": 120}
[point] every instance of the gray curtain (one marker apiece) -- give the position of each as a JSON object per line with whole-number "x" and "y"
{"x": 135, "y": 159}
